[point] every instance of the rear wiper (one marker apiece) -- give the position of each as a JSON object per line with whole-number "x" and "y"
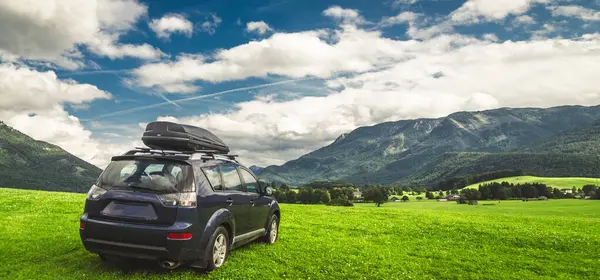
{"x": 139, "y": 187}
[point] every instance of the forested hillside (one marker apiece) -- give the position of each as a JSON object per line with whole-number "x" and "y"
{"x": 559, "y": 141}
{"x": 29, "y": 164}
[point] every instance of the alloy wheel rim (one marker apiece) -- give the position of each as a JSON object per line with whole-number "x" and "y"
{"x": 273, "y": 233}
{"x": 219, "y": 250}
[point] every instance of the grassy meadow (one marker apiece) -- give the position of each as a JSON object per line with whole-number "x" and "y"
{"x": 555, "y": 239}
{"x": 554, "y": 182}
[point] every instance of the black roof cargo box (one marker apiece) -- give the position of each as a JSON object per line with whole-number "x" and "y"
{"x": 179, "y": 137}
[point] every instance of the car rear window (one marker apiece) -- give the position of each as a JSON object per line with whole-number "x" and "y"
{"x": 160, "y": 176}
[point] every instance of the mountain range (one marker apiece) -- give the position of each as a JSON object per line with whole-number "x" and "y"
{"x": 558, "y": 141}
{"x": 29, "y": 164}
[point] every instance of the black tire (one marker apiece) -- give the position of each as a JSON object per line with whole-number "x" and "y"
{"x": 103, "y": 258}
{"x": 273, "y": 221}
{"x": 219, "y": 235}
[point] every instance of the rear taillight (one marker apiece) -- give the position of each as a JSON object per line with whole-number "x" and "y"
{"x": 179, "y": 235}
{"x": 186, "y": 199}
{"x": 81, "y": 225}
{"x": 95, "y": 193}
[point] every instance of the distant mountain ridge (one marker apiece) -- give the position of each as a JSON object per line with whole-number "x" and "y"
{"x": 256, "y": 169}
{"x": 26, "y": 163}
{"x": 429, "y": 150}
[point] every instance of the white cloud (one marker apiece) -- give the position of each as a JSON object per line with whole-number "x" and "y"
{"x": 211, "y": 24}
{"x": 293, "y": 55}
{"x": 490, "y": 37}
{"x": 171, "y": 23}
{"x": 52, "y": 30}
{"x": 543, "y": 32}
{"x": 575, "y": 11}
{"x": 33, "y": 103}
{"x": 476, "y": 11}
{"x": 403, "y": 17}
{"x": 108, "y": 45}
{"x": 259, "y": 27}
{"x": 419, "y": 26}
{"x": 344, "y": 16}
{"x": 24, "y": 89}
{"x": 524, "y": 19}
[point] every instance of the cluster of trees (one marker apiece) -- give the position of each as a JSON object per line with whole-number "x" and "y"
{"x": 376, "y": 194}
{"x": 590, "y": 190}
{"x": 505, "y": 190}
{"x": 461, "y": 182}
{"x": 338, "y": 194}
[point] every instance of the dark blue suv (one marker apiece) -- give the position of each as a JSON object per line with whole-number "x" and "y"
{"x": 177, "y": 208}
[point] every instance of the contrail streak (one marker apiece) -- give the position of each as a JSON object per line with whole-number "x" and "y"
{"x": 168, "y": 100}
{"x": 141, "y": 108}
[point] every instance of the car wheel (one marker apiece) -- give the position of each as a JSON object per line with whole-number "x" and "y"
{"x": 272, "y": 230}
{"x": 102, "y": 257}
{"x": 217, "y": 249}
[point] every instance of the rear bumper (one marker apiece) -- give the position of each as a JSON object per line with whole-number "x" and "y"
{"x": 139, "y": 241}
{"x": 140, "y": 251}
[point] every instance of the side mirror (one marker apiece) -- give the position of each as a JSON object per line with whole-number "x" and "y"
{"x": 269, "y": 191}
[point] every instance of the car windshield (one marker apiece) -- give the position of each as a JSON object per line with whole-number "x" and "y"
{"x": 161, "y": 176}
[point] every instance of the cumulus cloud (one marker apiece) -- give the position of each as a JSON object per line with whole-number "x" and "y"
{"x": 490, "y": 37}
{"x": 259, "y": 27}
{"x": 108, "y": 45}
{"x": 575, "y": 11}
{"x": 293, "y": 55}
{"x": 24, "y": 89}
{"x": 210, "y": 25}
{"x": 524, "y": 19}
{"x": 476, "y": 11}
{"x": 171, "y": 23}
{"x": 345, "y": 16}
{"x": 33, "y": 103}
{"x": 52, "y": 30}
{"x": 403, "y": 17}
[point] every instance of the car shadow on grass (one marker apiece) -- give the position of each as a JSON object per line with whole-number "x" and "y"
{"x": 143, "y": 267}
{"x": 127, "y": 266}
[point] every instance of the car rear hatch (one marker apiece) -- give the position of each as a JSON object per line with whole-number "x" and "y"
{"x": 139, "y": 200}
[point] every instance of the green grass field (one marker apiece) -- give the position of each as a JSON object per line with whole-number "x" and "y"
{"x": 556, "y": 239}
{"x": 555, "y": 182}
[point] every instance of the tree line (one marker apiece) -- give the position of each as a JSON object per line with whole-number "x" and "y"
{"x": 505, "y": 190}
{"x": 336, "y": 195}
{"x": 343, "y": 194}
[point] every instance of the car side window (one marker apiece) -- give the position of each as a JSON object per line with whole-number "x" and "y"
{"x": 251, "y": 183}
{"x": 212, "y": 174}
{"x": 231, "y": 178}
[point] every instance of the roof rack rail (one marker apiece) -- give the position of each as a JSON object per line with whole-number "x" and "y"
{"x": 203, "y": 154}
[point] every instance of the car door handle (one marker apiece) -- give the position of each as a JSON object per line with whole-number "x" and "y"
{"x": 229, "y": 202}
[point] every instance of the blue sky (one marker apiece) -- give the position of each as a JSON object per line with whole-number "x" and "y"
{"x": 336, "y": 65}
